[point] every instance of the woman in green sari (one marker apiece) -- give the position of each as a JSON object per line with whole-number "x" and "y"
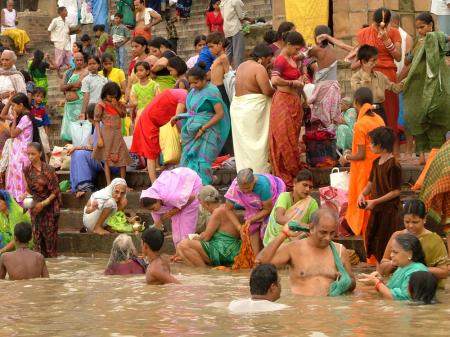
{"x": 126, "y": 8}
{"x": 10, "y": 215}
{"x": 74, "y": 96}
{"x": 206, "y": 127}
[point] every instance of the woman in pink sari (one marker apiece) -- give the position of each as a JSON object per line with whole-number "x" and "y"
{"x": 174, "y": 196}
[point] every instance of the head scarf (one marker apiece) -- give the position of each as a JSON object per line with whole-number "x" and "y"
{"x": 106, "y": 193}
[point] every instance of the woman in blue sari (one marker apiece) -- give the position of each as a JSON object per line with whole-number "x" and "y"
{"x": 206, "y": 127}
{"x": 100, "y": 10}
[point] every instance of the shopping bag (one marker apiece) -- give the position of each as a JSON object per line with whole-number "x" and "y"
{"x": 337, "y": 200}
{"x": 169, "y": 141}
{"x": 339, "y": 179}
{"x": 81, "y": 131}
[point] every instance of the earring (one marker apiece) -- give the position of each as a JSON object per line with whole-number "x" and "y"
{"x": 409, "y": 258}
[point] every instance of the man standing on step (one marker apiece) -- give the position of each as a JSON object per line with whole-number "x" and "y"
{"x": 146, "y": 18}
{"x": 233, "y": 15}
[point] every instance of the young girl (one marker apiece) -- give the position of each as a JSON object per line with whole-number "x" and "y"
{"x": 199, "y": 44}
{"x": 143, "y": 92}
{"x": 111, "y": 147}
{"x": 92, "y": 84}
{"x": 384, "y": 187}
{"x": 214, "y": 19}
{"x": 178, "y": 69}
{"x": 77, "y": 47}
{"x": 38, "y": 66}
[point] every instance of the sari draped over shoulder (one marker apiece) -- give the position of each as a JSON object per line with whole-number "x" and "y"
{"x": 72, "y": 109}
{"x": 435, "y": 252}
{"x": 341, "y": 285}
{"x": 222, "y": 248}
{"x": 399, "y": 282}
{"x": 198, "y": 154}
{"x": 9, "y": 221}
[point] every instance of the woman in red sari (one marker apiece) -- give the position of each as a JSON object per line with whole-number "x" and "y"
{"x": 388, "y": 42}
{"x": 214, "y": 19}
{"x": 286, "y": 114}
{"x": 43, "y": 186}
{"x": 146, "y": 132}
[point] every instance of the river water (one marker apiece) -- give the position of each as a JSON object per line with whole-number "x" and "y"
{"x": 78, "y": 301}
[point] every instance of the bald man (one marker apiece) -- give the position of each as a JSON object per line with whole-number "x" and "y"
{"x": 319, "y": 267}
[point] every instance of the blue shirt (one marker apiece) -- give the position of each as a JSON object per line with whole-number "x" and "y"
{"x": 206, "y": 57}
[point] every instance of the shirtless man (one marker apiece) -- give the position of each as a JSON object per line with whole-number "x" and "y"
{"x": 221, "y": 65}
{"x": 313, "y": 267}
{"x": 220, "y": 242}
{"x": 22, "y": 264}
{"x": 158, "y": 270}
{"x": 146, "y": 18}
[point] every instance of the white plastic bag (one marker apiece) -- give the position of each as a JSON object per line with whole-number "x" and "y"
{"x": 81, "y": 131}
{"x": 339, "y": 179}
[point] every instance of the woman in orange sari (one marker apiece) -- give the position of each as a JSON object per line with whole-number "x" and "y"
{"x": 388, "y": 42}
{"x": 361, "y": 158}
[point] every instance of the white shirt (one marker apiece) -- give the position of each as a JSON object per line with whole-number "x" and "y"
{"x": 10, "y": 19}
{"x": 249, "y": 306}
{"x": 59, "y": 30}
{"x": 232, "y": 13}
{"x": 439, "y": 7}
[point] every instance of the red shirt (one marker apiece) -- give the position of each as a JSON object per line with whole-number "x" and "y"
{"x": 214, "y": 22}
{"x": 282, "y": 68}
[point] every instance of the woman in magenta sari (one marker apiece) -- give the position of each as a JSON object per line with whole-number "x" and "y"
{"x": 257, "y": 194}
{"x": 174, "y": 196}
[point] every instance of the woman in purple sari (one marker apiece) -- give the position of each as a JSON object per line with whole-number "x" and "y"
{"x": 174, "y": 196}
{"x": 257, "y": 194}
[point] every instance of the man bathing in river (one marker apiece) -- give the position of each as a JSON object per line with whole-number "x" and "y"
{"x": 319, "y": 267}
{"x": 22, "y": 264}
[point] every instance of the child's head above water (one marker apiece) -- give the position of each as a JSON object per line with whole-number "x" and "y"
{"x": 424, "y": 23}
{"x": 422, "y": 287}
{"x": 22, "y": 232}
{"x": 265, "y": 283}
{"x": 152, "y": 240}
{"x": 39, "y": 95}
{"x": 382, "y": 140}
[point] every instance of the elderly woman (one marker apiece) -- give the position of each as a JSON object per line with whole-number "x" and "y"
{"x": 123, "y": 260}
{"x": 174, "y": 196}
{"x": 104, "y": 203}
{"x": 220, "y": 242}
{"x": 43, "y": 186}
{"x": 11, "y": 80}
{"x": 9, "y": 23}
{"x": 10, "y": 215}
{"x": 407, "y": 255}
{"x": 251, "y": 106}
{"x": 257, "y": 194}
{"x": 436, "y": 257}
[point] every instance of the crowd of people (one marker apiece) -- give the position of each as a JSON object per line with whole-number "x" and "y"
{"x": 278, "y": 113}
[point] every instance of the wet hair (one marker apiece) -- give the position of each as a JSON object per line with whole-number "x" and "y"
{"x": 21, "y": 98}
{"x": 178, "y": 64}
{"x": 294, "y": 38}
{"x": 324, "y": 213}
{"x": 159, "y": 41}
{"x": 209, "y": 194}
{"x": 284, "y": 28}
{"x": 143, "y": 64}
{"x": 141, "y": 41}
{"x": 111, "y": 89}
{"x": 100, "y": 28}
{"x": 410, "y": 243}
{"x": 415, "y": 207}
{"x": 363, "y": 95}
{"x": 37, "y": 146}
{"x": 90, "y": 110}
{"x": 119, "y": 15}
{"x": 245, "y": 176}
{"x": 270, "y": 36}
{"x": 427, "y": 18}
{"x": 26, "y": 75}
{"x": 366, "y": 52}
{"x": 422, "y": 287}
{"x": 61, "y": 9}
{"x": 122, "y": 249}
{"x": 304, "y": 175}
{"x": 199, "y": 38}
{"x": 107, "y": 57}
{"x": 23, "y": 232}
{"x": 322, "y": 29}
{"x": 154, "y": 238}
{"x": 198, "y": 71}
{"x": 384, "y": 137}
{"x": 378, "y": 15}
{"x": 262, "y": 278}
{"x": 38, "y": 58}
{"x": 95, "y": 58}
{"x": 85, "y": 38}
{"x": 261, "y": 50}
{"x": 216, "y": 38}
{"x": 148, "y": 202}
{"x": 39, "y": 90}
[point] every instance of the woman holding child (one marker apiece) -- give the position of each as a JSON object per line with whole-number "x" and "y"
{"x": 42, "y": 184}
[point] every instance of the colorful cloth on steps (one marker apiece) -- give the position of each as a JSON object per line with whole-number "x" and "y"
{"x": 342, "y": 284}
{"x": 222, "y": 248}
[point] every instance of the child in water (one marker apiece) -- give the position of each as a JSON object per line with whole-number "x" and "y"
{"x": 158, "y": 270}
{"x": 178, "y": 69}
{"x": 23, "y": 263}
{"x": 143, "y": 92}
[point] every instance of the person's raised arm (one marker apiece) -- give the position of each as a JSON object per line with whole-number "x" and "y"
{"x": 160, "y": 64}
{"x": 338, "y": 43}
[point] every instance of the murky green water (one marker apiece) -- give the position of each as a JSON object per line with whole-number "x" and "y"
{"x": 79, "y": 301}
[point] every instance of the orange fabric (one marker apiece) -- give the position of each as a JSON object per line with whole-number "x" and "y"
{"x": 246, "y": 258}
{"x": 358, "y": 218}
{"x": 142, "y": 32}
{"x": 418, "y": 185}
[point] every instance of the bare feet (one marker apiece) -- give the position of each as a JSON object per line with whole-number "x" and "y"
{"x": 79, "y": 194}
{"x": 100, "y": 231}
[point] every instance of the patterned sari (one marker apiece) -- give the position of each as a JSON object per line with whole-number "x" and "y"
{"x": 199, "y": 154}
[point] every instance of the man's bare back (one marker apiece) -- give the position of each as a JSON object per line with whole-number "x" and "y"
{"x": 224, "y": 218}
{"x": 23, "y": 264}
{"x": 252, "y": 78}
{"x": 158, "y": 271}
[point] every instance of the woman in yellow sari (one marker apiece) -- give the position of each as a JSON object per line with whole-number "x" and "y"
{"x": 296, "y": 206}
{"x": 9, "y": 22}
